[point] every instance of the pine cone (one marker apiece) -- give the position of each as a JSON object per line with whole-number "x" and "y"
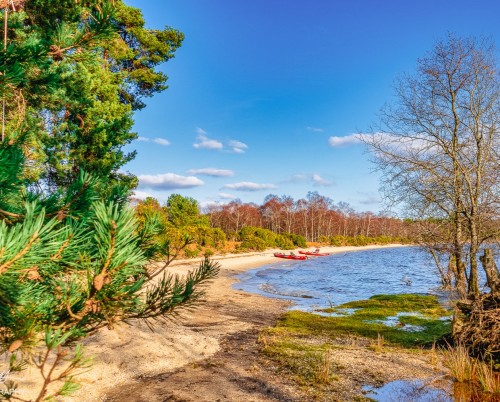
{"x": 15, "y": 345}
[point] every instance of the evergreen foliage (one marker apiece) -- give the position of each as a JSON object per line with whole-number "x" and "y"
{"x": 73, "y": 74}
{"x": 73, "y": 256}
{"x": 65, "y": 272}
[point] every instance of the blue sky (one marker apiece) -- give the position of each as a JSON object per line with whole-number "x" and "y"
{"x": 265, "y": 95}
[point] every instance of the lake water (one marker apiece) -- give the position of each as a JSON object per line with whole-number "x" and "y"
{"x": 321, "y": 282}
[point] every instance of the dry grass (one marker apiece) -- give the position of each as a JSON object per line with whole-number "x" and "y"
{"x": 379, "y": 345}
{"x": 324, "y": 375}
{"x": 476, "y": 377}
{"x": 489, "y": 380}
{"x": 433, "y": 356}
{"x": 460, "y": 363}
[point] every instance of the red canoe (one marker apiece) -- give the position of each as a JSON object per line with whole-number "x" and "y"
{"x": 315, "y": 253}
{"x": 290, "y": 256}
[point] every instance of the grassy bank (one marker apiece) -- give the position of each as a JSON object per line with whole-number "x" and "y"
{"x": 304, "y": 346}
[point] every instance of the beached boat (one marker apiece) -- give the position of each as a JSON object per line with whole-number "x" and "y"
{"x": 314, "y": 253}
{"x": 290, "y": 256}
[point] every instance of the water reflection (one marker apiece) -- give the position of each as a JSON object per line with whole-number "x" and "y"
{"x": 428, "y": 391}
{"x": 414, "y": 391}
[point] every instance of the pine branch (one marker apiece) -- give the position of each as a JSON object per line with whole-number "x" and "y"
{"x": 171, "y": 292}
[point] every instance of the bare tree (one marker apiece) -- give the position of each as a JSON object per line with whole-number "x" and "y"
{"x": 438, "y": 148}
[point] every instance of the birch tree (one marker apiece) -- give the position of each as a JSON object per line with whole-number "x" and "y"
{"x": 438, "y": 147}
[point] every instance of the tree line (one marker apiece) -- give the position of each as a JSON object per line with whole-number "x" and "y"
{"x": 315, "y": 217}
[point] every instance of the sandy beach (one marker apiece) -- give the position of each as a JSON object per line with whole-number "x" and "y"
{"x": 211, "y": 352}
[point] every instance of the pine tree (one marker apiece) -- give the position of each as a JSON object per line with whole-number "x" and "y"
{"x": 72, "y": 256}
{"x": 72, "y": 262}
{"x": 77, "y": 70}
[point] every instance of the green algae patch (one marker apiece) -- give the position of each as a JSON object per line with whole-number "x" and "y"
{"x": 391, "y": 304}
{"x": 302, "y": 344}
{"x": 407, "y": 320}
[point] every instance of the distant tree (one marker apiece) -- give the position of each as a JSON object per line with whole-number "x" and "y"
{"x": 184, "y": 211}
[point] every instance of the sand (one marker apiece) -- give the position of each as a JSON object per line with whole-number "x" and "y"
{"x": 213, "y": 345}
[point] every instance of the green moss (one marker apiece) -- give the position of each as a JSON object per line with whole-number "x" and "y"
{"x": 300, "y": 342}
{"x": 367, "y": 319}
{"x": 380, "y": 306}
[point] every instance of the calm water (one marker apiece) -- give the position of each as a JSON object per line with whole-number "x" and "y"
{"x": 323, "y": 281}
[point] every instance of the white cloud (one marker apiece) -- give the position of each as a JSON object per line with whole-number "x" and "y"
{"x": 297, "y": 178}
{"x": 207, "y": 204}
{"x": 249, "y": 186}
{"x": 319, "y": 181}
{"x": 238, "y": 146}
{"x": 226, "y": 196}
{"x": 212, "y": 172}
{"x": 335, "y": 141}
{"x": 141, "y": 195}
{"x": 357, "y": 138}
{"x": 315, "y": 129}
{"x": 168, "y": 181}
{"x": 161, "y": 141}
{"x": 314, "y": 179}
{"x": 200, "y": 131}
{"x": 206, "y": 143}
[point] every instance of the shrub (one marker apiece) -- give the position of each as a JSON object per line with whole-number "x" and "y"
{"x": 191, "y": 253}
{"x": 338, "y": 241}
{"x": 284, "y": 243}
{"x": 253, "y": 243}
{"x": 297, "y": 240}
{"x": 269, "y": 237}
{"x": 208, "y": 252}
{"x": 219, "y": 237}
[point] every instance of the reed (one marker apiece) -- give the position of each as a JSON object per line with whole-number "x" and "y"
{"x": 324, "y": 374}
{"x": 433, "y": 356}
{"x": 379, "y": 345}
{"x": 489, "y": 380}
{"x": 461, "y": 365}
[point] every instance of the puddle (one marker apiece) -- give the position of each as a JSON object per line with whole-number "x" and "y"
{"x": 405, "y": 391}
{"x": 428, "y": 391}
{"x": 339, "y": 312}
{"x": 394, "y": 321}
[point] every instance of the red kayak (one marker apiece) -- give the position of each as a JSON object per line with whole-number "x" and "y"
{"x": 314, "y": 253}
{"x": 290, "y": 256}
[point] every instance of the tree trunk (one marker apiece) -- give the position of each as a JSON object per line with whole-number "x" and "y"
{"x": 474, "y": 249}
{"x": 491, "y": 269}
{"x": 445, "y": 276}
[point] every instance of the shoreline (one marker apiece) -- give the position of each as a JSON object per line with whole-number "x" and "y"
{"x": 255, "y": 259}
{"x": 126, "y": 357}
